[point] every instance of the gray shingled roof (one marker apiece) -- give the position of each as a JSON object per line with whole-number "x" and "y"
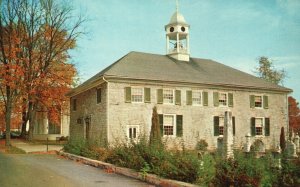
{"x": 137, "y": 65}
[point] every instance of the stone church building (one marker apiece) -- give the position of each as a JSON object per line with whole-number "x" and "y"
{"x": 191, "y": 96}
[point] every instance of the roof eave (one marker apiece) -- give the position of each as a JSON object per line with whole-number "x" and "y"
{"x": 284, "y": 90}
{"x": 85, "y": 87}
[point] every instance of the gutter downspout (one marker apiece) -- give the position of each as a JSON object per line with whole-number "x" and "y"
{"x": 107, "y": 106}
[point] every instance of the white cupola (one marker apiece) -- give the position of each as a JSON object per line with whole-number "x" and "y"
{"x": 177, "y": 37}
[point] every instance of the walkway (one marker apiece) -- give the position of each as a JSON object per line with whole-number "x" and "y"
{"x": 31, "y": 148}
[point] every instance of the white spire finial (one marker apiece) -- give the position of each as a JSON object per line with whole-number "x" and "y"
{"x": 177, "y": 6}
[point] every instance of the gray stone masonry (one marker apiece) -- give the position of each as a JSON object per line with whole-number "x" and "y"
{"x": 87, "y": 107}
{"x": 111, "y": 118}
{"x": 198, "y": 121}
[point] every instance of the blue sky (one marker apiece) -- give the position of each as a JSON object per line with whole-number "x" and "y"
{"x": 233, "y": 32}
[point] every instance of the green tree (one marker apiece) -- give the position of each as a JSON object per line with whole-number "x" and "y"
{"x": 155, "y": 136}
{"x": 267, "y": 71}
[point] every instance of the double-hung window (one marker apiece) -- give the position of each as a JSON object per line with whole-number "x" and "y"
{"x": 196, "y": 97}
{"x": 223, "y": 99}
{"x": 169, "y": 125}
{"x": 259, "y": 126}
{"x": 137, "y": 95}
{"x": 168, "y": 96}
{"x": 221, "y": 125}
{"x": 258, "y": 101}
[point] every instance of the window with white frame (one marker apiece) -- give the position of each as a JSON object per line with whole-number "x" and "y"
{"x": 196, "y": 97}
{"x": 258, "y": 126}
{"x": 168, "y": 96}
{"x": 258, "y": 101}
{"x": 137, "y": 95}
{"x": 169, "y": 125}
{"x": 223, "y": 99}
{"x": 132, "y": 132}
{"x": 221, "y": 125}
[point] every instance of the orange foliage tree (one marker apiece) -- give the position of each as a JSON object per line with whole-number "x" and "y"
{"x": 34, "y": 60}
{"x": 294, "y": 115}
{"x": 11, "y": 69}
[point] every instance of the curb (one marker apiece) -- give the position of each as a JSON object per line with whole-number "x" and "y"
{"x": 110, "y": 168}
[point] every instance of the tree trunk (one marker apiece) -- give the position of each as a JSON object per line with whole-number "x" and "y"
{"x": 8, "y": 110}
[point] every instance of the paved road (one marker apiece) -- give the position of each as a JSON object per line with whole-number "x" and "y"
{"x": 29, "y": 170}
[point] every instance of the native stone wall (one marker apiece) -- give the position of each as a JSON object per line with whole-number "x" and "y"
{"x": 198, "y": 122}
{"x": 87, "y": 107}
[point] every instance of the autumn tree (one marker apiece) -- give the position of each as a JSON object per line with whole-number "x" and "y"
{"x": 267, "y": 71}
{"x": 294, "y": 115}
{"x": 48, "y": 31}
{"x": 11, "y": 69}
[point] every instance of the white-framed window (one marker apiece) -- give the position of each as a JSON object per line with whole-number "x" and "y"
{"x": 221, "y": 125}
{"x": 258, "y": 101}
{"x": 196, "y": 97}
{"x": 259, "y": 123}
{"x": 137, "y": 94}
{"x": 223, "y": 99}
{"x": 168, "y": 96}
{"x": 133, "y": 132}
{"x": 169, "y": 125}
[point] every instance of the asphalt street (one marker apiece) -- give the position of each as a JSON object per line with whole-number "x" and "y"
{"x": 33, "y": 170}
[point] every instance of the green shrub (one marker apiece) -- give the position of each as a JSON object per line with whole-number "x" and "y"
{"x": 201, "y": 145}
{"x": 176, "y": 165}
{"x": 81, "y": 147}
{"x": 207, "y": 170}
{"x": 290, "y": 172}
{"x": 245, "y": 170}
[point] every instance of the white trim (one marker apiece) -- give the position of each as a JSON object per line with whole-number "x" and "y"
{"x": 262, "y": 128}
{"x": 226, "y": 93}
{"x": 143, "y": 94}
{"x": 137, "y": 127}
{"x": 262, "y": 101}
{"x": 201, "y": 97}
{"x": 173, "y": 90}
{"x": 174, "y": 125}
